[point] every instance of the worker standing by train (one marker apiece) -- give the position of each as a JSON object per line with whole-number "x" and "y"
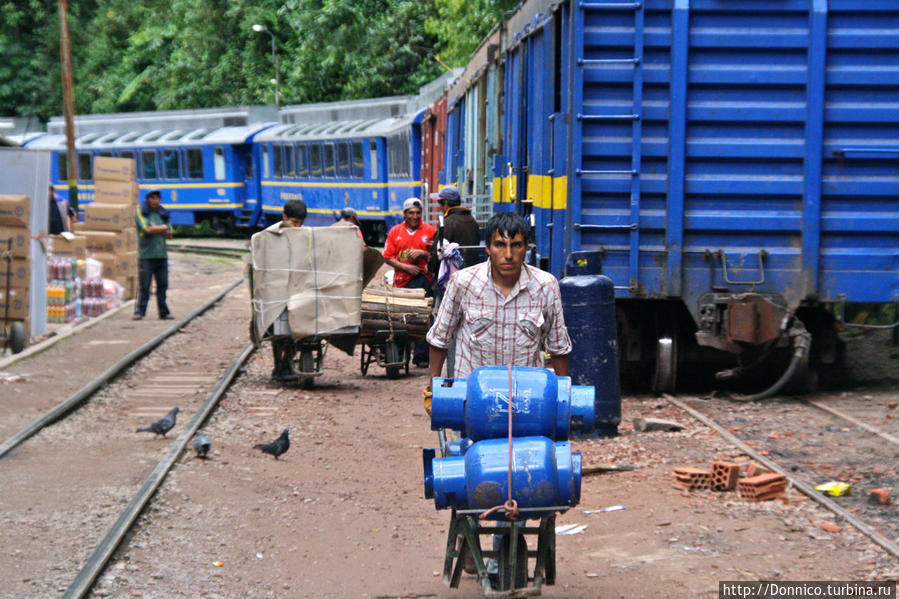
{"x": 153, "y": 262}
{"x": 407, "y": 250}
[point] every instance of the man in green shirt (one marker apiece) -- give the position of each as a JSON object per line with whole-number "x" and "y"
{"x": 152, "y": 230}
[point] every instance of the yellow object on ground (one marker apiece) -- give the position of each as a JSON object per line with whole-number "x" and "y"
{"x": 835, "y": 488}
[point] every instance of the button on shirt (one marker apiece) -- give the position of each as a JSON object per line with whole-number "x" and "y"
{"x": 493, "y": 330}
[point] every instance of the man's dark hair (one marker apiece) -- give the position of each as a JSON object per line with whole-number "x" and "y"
{"x": 295, "y": 209}
{"x": 508, "y": 224}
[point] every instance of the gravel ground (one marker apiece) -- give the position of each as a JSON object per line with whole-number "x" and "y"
{"x": 342, "y": 514}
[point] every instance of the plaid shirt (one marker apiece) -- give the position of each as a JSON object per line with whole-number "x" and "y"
{"x": 494, "y": 330}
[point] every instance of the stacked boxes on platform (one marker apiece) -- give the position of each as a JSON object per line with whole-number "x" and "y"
{"x": 109, "y": 226}
{"x": 15, "y": 258}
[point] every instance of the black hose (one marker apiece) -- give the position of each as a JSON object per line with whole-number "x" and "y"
{"x": 801, "y": 340}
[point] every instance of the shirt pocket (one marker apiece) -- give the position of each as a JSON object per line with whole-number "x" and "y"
{"x": 529, "y": 328}
{"x": 481, "y": 336}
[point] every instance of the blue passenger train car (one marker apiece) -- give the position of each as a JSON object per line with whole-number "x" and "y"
{"x": 203, "y": 161}
{"x": 731, "y": 166}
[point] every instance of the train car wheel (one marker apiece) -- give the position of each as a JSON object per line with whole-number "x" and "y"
{"x": 664, "y": 375}
{"x": 16, "y": 337}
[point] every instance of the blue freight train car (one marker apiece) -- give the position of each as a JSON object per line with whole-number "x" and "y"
{"x": 735, "y": 166}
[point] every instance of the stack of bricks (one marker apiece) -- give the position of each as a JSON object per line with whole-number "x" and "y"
{"x": 109, "y": 221}
{"x": 758, "y": 485}
{"x": 762, "y": 487}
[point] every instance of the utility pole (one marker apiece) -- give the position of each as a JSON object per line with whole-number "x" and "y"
{"x": 68, "y": 103}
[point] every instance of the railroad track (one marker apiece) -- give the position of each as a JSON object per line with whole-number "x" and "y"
{"x": 75, "y": 489}
{"x": 812, "y": 442}
{"x": 208, "y": 250}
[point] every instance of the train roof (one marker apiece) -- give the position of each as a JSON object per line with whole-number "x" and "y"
{"x": 153, "y": 138}
{"x": 370, "y": 109}
{"x": 228, "y": 125}
{"x": 345, "y": 129}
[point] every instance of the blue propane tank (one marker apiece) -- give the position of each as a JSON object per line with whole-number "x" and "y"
{"x": 544, "y": 474}
{"x": 543, "y": 404}
{"x": 588, "y": 302}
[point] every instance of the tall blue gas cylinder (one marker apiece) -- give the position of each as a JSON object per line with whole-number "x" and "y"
{"x": 544, "y": 474}
{"x": 588, "y": 302}
{"x": 543, "y": 404}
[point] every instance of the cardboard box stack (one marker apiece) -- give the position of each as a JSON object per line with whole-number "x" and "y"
{"x": 109, "y": 228}
{"x": 15, "y": 266}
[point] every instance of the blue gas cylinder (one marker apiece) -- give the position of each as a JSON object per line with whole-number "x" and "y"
{"x": 588, "y": 302}
{"x": 544, "y": 474}
{"x": 542, "y": 404}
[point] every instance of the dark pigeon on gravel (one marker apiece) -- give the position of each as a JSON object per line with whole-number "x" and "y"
{"x": 276, "y": 447}
{"x": 201, "y": 444}
{"x": 163, "y": 425}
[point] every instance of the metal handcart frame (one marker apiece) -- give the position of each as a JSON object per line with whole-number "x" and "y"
{"x": 513, "y": 578}
{"x": 390, "y": 349}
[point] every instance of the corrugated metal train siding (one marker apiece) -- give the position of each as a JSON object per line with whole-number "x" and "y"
{"x": 767, "y": 155}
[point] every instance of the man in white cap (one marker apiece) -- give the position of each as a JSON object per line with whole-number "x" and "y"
{"x": 407, "y": 250}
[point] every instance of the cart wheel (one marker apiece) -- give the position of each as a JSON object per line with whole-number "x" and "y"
{"x": 363, "y": 363}
{"x": 392, "y": 355}
{"x": 520, "y": 567}
{"x": 307, "y": 364}
{"x": 17, "y": 337}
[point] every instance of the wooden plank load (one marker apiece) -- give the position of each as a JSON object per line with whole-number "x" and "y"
{"x": 398, "y": 310}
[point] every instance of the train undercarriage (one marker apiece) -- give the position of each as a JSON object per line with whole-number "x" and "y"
{"x": 749, "y": 343}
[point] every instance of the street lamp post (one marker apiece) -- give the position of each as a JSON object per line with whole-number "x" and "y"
{"x": 259, "y": 29}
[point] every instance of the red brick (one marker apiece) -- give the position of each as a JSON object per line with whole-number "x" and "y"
{"x": 879, "y": 497}
{"x": 762, "y": 487}
{"x": 724, "y": 476}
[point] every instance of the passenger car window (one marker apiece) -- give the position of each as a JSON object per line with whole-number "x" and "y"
{"x": 194, "y": 163}
{"x": 315, "y": 160}
{"x": 171, "y": 164}
{"x": 84, "y": 166}
{"x": 373, "y": 158}
{"x": 148, "y": 164}
{"x": 218, "y": 162}
{"x": 358, "y": 161}
{"x": 329, "y": 160}
{"x": 302, "y": 160}
{"x": 343, "y": 160}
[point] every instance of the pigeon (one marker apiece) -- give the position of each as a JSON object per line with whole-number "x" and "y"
{"x": 276, "y": 447}
{"x": 201, "y": 444}
{"x": 163, "y": 425}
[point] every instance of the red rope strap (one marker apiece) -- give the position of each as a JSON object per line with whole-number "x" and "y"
{"x": 511, "y": 506}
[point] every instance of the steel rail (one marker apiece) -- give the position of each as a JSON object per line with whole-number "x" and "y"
{"x": 227, "y": 252}
{"x": 871, "y": 429}
{"x": 805, "y": 488}
{"x": 110, "y": 373}
{"x": 85, "y": 579}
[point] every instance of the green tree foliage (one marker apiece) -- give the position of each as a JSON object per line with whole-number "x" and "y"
{"x": 171, "y": 54}
{"x": 460, "y": 25}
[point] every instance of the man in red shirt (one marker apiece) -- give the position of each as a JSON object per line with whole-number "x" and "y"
{"x": 407, "y": 250}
